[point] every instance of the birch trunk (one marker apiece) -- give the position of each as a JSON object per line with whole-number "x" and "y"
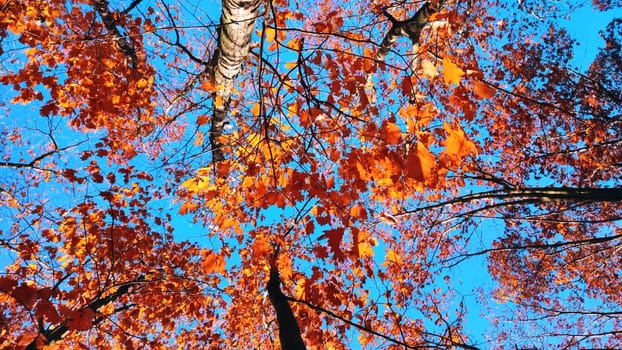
{"x": 236, "y": 28}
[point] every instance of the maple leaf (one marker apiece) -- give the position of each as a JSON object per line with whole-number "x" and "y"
{"x": 452, "y": 74}
{"x": 261, "y": 248}
{"x": 202, "y": 119}
{"x": 81, "y": 320}
{"x": 25, "y": 294}
{"x": 306, "y": 169}
{"x": 391, "y": 133}
{"x": 428, "y": 69}
{"x": 457, "y": 145}
{"x": 419, "y": 163}
{"x": 483, "y": 90}
{"x": 392, "y": 257}
{"x": 46, "y": 309}
{"x": 335, "y": 236}
{"x": 213, "y": 263}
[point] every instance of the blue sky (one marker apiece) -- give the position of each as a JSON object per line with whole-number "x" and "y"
{"x": 584, "y": 26}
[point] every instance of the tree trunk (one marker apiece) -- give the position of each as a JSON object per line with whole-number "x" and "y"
{"x": 236, "y": 28}
{"x": 289, "y": 332}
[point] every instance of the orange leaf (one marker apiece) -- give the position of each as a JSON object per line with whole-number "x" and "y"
{"x": 260, "y": 248}
{"x": 457, "y": 145}
{"x": 213, "y": 263}
{"x": 391, "y": 133}
{"x": 27, "y": 339}
{"x": 208, "y": 85}
{"x": 358, "y": 212}
{"x": 255, "y": 110}
{"x": 483, "y": 90}
{"x": 202, "y": 120}
{"x": 419, "y": 163}
{"x": 451, "y": 72}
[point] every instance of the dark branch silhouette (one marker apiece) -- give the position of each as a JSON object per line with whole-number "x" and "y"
{"x": 410, "y": 28}
{"x": 101, "y": 6}
{"x": 56, "y": 333}
{"x": 289, "y": 332}
{"x": 533, "y": 195}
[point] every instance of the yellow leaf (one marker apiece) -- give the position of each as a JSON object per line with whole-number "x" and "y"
{"x": 299, "y": 290}
{"x": 365, "y": 250}
{"x": 428, "y": 69}
{"x": 451, "y": 72}
{"x": 270, "y": 34}
{"x": 191, "y": 184}
{"x": 218, "y": 101}
{"x": 392, "y": 257}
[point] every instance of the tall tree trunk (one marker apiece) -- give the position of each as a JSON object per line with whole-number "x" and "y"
{"x": 236, "y": 28}
{"x": 289, "y": 332}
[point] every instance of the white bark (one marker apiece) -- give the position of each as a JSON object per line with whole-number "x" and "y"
{"x": 236, "y": 28}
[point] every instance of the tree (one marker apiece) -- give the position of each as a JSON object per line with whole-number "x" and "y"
{"x": 384, "y": 149}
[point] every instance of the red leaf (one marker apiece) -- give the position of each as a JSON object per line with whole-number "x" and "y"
{"x": 335, "y": 236}
{"x": 419, "y": 163}
{"x": 25, "y": 294}
{"x": 46, "y": 309}
{"x": 81, "y": 320}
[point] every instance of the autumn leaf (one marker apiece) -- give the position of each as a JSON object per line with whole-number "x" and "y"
{"x": 81, "y": 320}
{"x": 261, "y": 248}
{"x": 25, "y": 294}
{"x": 428, "y": 69}
{"x": 46, "y": 309}
{"x": 452, "y": 74}
{"x": 392, "y": 257}
{"x": 213, "y": 263}
{"x": 391, "y": 133}
{"x": 208, "y": 85}
{"x": 334, "y": 147}
{"x": 335, "y": 237}
{"x": 457, "y": 145}
{"x": 202, "y": 119}
{"x": 388, "y": 218}
{"x": 483, "y": 90}
{"x": 419, "y": 163}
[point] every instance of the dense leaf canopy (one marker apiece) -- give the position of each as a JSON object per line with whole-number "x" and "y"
{"x": 432, "y": 175}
